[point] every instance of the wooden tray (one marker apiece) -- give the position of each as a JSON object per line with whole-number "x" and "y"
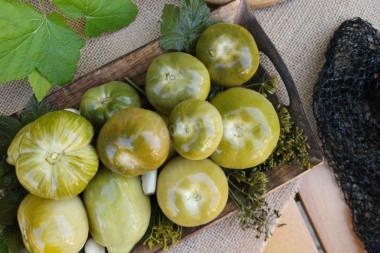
{"x": 135, "y": 64}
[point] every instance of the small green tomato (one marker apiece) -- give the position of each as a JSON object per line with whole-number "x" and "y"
{"x": 229, "y": 52}
{"x": 134, "y": 141}
{"x": 191, "y": 193}
{"x": 196, "y": 128}
{"x": 175, "y": 77}
{"x": 100, "y": 103}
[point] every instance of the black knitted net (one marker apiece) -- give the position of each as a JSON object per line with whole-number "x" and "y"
{"x": 347, "y": 111}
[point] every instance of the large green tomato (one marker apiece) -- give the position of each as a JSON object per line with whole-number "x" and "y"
{"x": 229, "y": 52}
{"x": 55, "y": 157}
{"x": 196, "y": 128}
{"x": 175, "y": 77}
{"x": 133, "y": 142}
{"x": 250, "y": 128}
{"x": 118, "y": 210}
{"x": 191, "y": 193}
{"x": 49, "y": 225}
{"x": 100, "y": 103}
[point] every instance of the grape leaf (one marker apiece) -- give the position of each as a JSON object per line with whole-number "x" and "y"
{"x": 8, "y": 129}
{"x": 9, "y": 205}
{"x": 182, "y": 27}
{"x": 40, "y": 84}
{"x": 3, "y": 246}
{"x": 34, "y": 109}
{"x": 12, "y": 236}
{"x": 34, "y": 40}
{"x": 101, "y": 15}
{"x": 6, "y": 180}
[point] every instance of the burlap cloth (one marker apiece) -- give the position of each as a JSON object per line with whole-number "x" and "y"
{"x": 300, "y": 30}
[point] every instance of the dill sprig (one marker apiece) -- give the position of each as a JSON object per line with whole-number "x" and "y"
{"x": 161, "y": 230}
{"x": 292, "y": 146}
{"x": 246, "y": 188}
{"x": 267, "y": 86}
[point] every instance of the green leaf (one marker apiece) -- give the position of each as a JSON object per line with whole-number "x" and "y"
{"x": 3, "y": 246}
{"x": 33, "y": 40}
{"x": 21, "y": 39}
{"x": 40, "y": 84}
{"x": 101, "y": 15}
{"x": 8, "y": 129}
{"x": 8, "y": 207}
{"x": 182, "y": 27}
{"x": 34, "y": 109}
{"x": 5, "y": 179}
{"x": 12, "y": 235}
{"x": 61, "y": 51}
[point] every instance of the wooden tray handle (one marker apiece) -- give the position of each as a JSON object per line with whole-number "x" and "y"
{"x": 266, "y": 46}
{"x": 246, "y": 18}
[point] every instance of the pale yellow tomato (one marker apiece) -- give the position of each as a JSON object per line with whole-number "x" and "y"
{"x": 52, "y": 226}
{"x": 55, "y": 158}
{"x": 118, "y": 210}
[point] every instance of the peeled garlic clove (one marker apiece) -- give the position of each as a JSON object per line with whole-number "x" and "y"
{"x": 149, "y": 181}
{"x": 72, "y": 110}
{"x": 93, "y": 247}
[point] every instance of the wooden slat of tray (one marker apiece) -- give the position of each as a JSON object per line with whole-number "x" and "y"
{"x": 135, "y": 64}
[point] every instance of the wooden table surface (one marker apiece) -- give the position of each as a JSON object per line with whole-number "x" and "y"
{"x": 328, "y": 214}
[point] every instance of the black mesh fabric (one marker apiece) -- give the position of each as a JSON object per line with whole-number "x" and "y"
{"x": 347, "y": 110}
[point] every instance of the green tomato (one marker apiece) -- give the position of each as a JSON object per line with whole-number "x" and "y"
{"x": 52, "y": 225}
{"x": 118, "y": 210}
{"x": 14, "y": 148}
{"x": 101, "y": 103}
{"x": 191, "y": 193}
{"x": 175, "y": 77}
{"x": 133, "y": 142}
{"x": 250, "y": 128}
{"x": 56, "y": 159}
{"x": 196, "y": 128}
{"x": 229, "y": 52}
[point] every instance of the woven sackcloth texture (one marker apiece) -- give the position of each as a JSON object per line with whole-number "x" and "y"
{"x": 300, "y": 30}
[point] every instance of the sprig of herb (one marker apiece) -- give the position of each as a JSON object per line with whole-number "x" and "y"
{"x": 246, "y": 188}
{"x": 268, "y": 86}
{"x": 161, "y": 230}
{"x": 182, "y": 27}
{"x": 292, "y": 146}
{"x": 42, "y": 47}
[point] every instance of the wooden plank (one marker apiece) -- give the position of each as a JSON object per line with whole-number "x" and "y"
{"x": 294, "y": 237}
{"x": 330, "y": 216}
{"x": 256, "y": 4}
